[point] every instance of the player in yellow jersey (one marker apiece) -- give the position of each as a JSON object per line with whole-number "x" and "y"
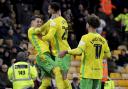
{"x": 57, "y": 37}
{"x": 44, "y": 60}
{"x": 93, "y": 48}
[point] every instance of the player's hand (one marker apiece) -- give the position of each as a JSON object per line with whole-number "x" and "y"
{"x": 62, "y": 53}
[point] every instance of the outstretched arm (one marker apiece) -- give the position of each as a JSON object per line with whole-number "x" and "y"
{"x": 76, "y": 51}
{"x": 51, "y": 32}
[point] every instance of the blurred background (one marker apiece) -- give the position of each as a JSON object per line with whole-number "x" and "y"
{"x": 15, "y": 16}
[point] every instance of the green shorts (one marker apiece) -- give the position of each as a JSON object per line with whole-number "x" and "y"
{"x": 64, "y": 63}
{"x": 46, "y": 65}
{"x": 86, "y": 83}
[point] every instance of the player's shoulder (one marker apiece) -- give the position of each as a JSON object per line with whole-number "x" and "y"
{"x": 87, "y": 35}
{"x": 99, "y": 35}
{"x": 30, "y": 29}
{"x": 61, "y": 19}
{"x": 52, "y": 22}
{"x": 84, "y": 36}
{"x": 104, "y": 39}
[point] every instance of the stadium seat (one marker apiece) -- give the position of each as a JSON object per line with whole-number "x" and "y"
{"x": 70, "y": 76}
{"x": 1, "y": 41}
{"x": 77, "y": 57}
{"x": 126, "y": 87}
{"x": 122, "y": 47}
{"x": 117, "y": 52}
{"x": 78, "y": 69}
{"x": 124, "y": 75}
{"x": 115, "y": 76}
{"x": 122, "y": 83}
{"x": 72, "y": 70}
{"x": 121, "y": 87}
{"x": 126, "y": 68}
{"x": 75, "y": 63}
{"x": 121, "y": 69}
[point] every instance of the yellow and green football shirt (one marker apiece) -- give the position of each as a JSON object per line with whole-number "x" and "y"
{"x": 35, "y": 37}
{"x": 44, "y": 28}
{"x": 57, "y": 35}
{"x": 93, "y": 48}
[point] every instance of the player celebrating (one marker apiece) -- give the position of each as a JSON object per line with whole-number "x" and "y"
{"x": 44, "y": 60}
{"x": 93, "y": 48}
{"x": 57, "y": 37}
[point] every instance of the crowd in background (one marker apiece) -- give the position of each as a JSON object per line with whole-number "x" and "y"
{"x": 15, "y": 17}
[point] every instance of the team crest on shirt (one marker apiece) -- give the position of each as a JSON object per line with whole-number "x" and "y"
{"x": 81, "y": 43}
{"x": 52, "y": 23}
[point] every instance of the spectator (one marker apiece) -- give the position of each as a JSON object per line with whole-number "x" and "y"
{"x": 4, "y": 81}
{"x": 4, "y": 8}
{"x": 123, "y": 58}
{"x": 75, "y": 83}
{"x": 25, "y": 11}
{"x": 80, "y": 21}
{"x": 123, "y": 17}
{"x": 17, "y": 34}
{"x": 113, "y": 40}
{"x": 69, "y": 17}
{"x": 1, "y": 62}
{"x": 23, "y": 46}
{"x": 2, "y": 52}
{"x": 3, "y": 30}
{"x": 45, "y": 9}
{"x": 13, "y": 61}
{"x": 7, "y": 57}
{"x": 9, "y": 42}
{"x": 1, "y": 41}
{"x": 72, "y": 41}
{"x": 112, "y": 66}
{"x": 101, "y": 27}
{"x": 111, "y": 24}
{"x": 63, "y": 5}
{"x": 10, "y": 33}
{"x": 14, "y": 52}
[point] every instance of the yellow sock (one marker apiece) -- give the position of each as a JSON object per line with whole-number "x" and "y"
{"x": 58, "y": 78}
{"x": 67, "y": 84}
{"x": 45, "y": 83}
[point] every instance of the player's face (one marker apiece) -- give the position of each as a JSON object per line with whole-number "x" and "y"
{"x": 37, "y": 22}
{"x": 50, "y": 11}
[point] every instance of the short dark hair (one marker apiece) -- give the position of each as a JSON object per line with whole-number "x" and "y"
{"x": 21, "y": 56}
{"x": 93, "y": 21}
{"x": 55, "y": 6}
{"x": 35, "y": 16}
